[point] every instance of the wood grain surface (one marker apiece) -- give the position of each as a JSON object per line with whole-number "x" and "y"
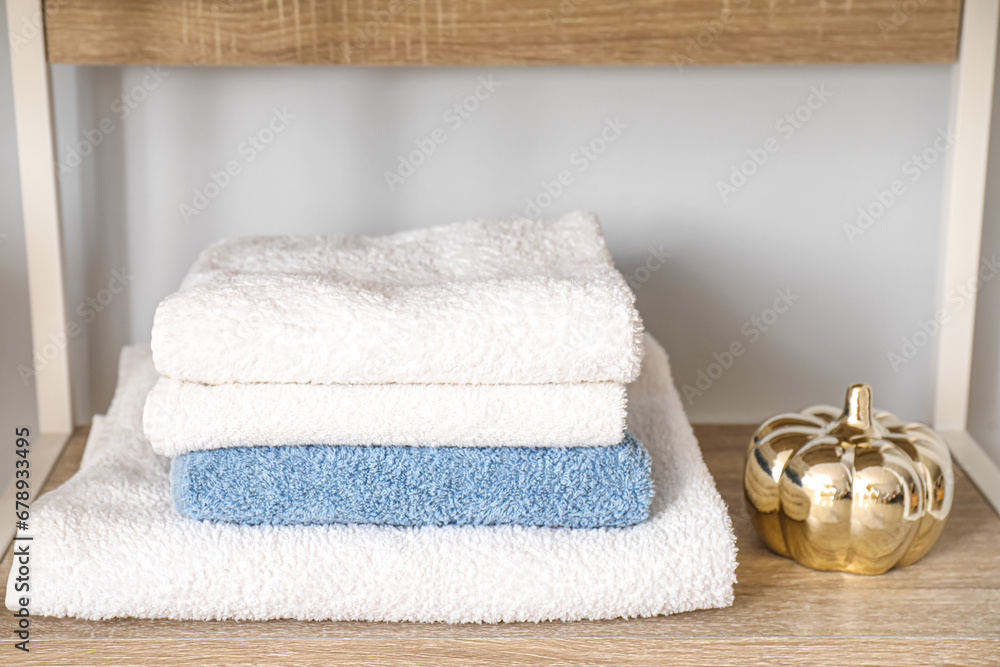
{"x": 943, "y": 610}
{"x": 508, "y": 32}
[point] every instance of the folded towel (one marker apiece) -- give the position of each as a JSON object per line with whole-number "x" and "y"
{"x": 570, "y": 487}
{"x": 513, "y": 302}
{"x": 108, "y": 543}
{"x": 187, "y": 416}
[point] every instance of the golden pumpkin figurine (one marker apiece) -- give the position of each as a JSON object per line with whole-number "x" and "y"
{"x": 851, "y": 491}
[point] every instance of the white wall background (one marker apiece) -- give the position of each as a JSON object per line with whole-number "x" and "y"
{"x": 654, "y": 187}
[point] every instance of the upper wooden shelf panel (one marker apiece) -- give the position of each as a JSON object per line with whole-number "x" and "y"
{"x": 503, "y": 32}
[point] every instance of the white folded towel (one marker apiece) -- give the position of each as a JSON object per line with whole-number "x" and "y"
{"x": 519, "y": 302}
{"x": 184, "y": 416}
{"x": 108, "y": 543}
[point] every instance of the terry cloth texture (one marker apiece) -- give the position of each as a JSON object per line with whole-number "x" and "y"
{"x": 184, "y": 416}
{"x": 570, "y": 487}
{"x": 108, "y": 543}
{"x": 512, "y": 302}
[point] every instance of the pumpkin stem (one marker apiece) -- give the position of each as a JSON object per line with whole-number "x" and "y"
{"x": 857, "y": 416}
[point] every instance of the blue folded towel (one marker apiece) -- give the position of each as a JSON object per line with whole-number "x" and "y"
{"x": 574, "y": 487}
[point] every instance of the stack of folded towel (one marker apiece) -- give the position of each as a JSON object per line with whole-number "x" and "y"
{"x": 379, "y": 389}
{"x": 468, "y": 374}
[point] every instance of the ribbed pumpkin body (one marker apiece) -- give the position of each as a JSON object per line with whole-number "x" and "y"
{"x": 851, "y": 491}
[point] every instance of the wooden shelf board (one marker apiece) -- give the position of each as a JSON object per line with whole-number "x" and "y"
{"x": 945, "y": 609}
{"x": 512, "y": 32}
